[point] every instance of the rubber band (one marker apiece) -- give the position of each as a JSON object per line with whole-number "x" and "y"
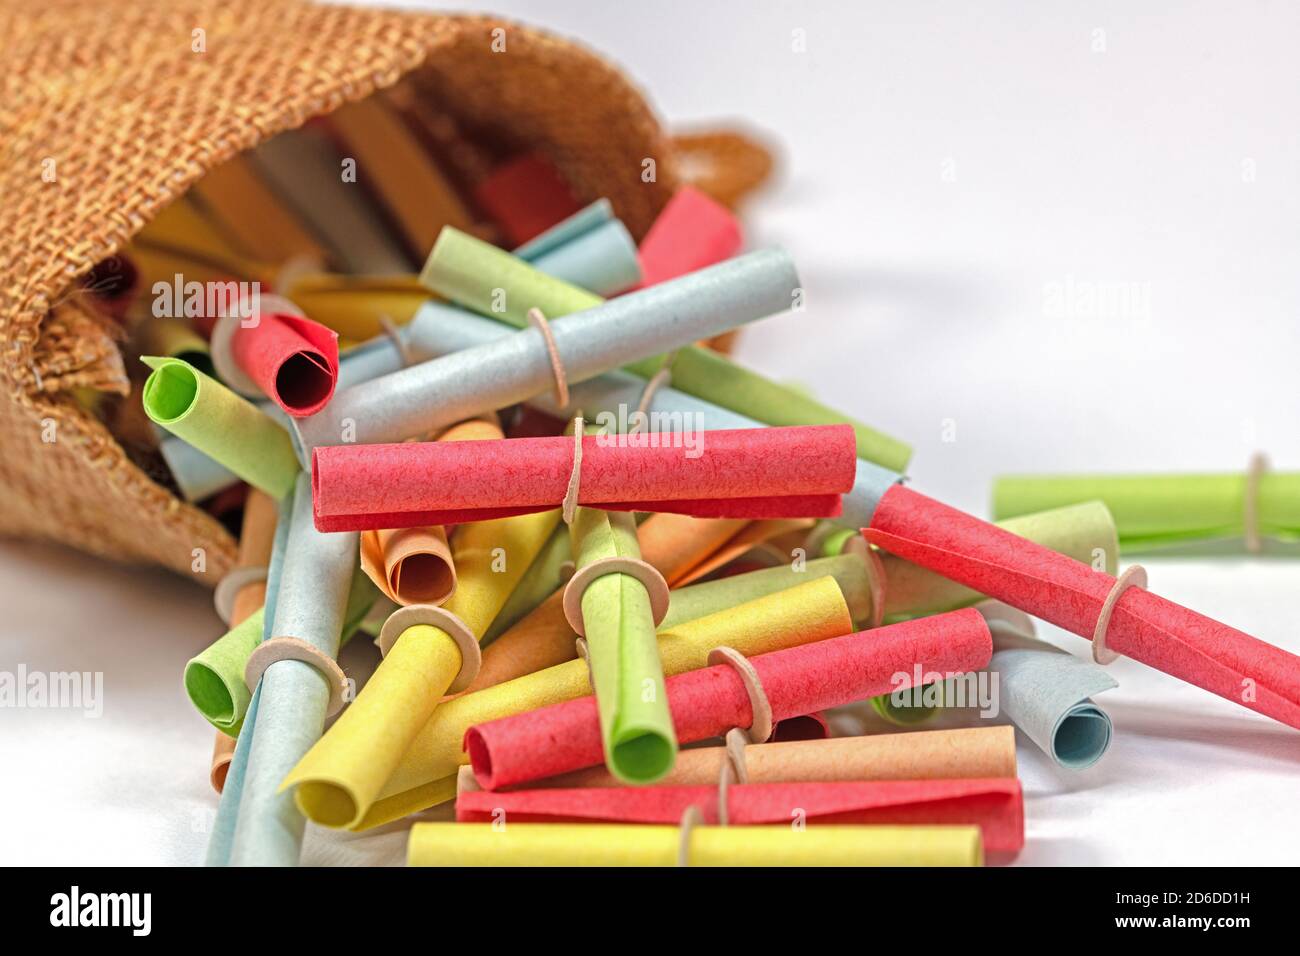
{"x": 736, "y": 741}
{"x": 413, "y": 615}
{"x": 1134, "y": 576}
{"x": 569, "y": 507}
{"x": 538, "y": 321}
{"x": 293, "y": 649}
{"x": 760, "y": 724}
{"x": 655, "y": 585}
{"x": 659, "y": 380}
{"x": 393, "y": 332}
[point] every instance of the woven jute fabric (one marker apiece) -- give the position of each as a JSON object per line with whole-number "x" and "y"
{"x": 108, "y": 113}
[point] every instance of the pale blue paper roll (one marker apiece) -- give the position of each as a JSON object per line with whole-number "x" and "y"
{"x": 590, "y": 249}
{"x": 223, "y": 831}
{"x": 463, "y": 384}
{"x": 589, "y": 217}
{"x": 310, "y": 605}
{"x": 1047, "y": 692}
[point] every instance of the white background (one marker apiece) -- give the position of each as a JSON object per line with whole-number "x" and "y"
{"x": 946, "y": 169}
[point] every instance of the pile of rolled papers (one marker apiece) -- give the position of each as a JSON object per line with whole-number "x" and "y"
{"x": 638, "y": 604}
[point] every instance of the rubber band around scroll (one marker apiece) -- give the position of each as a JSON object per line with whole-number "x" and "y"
{"x": 228, "y": 588}
{"x": 538, "y": 321}
{"x": 1134, "y": 576}
{"x": 391, "y": 330}
{"x": 1250, "y": 503}
{"x": 413, "y": 615}
{"x": 659, "y": 380}
{"x": 760, "y": 708}
{"x": 293, "y": 649}
{"x": 569, "y": 507}
{"x": 655, "y": 585}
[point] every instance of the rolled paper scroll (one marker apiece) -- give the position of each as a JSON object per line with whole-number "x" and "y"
{"x": 773, "y": 472}
{"x": 294, "y": 695}
{"x": 303, "y": 167}
{"x": 464, "y": 384}
{"x": 543, "y": 844}
{"x": 396, "y": 167}
{"x": 221, "y": 842}
{"x": 619, "y": 628}
{"x": 591, "y": 249}
{"x": 336, "y": 783}
{"x": 706, "y": 703}
{"x": 221, "y": 424}
{"x": 690, "y": 232}
{"x": 994, "y": 805}
{"x": 286, "y": 357}
{"x": 172, "y": 338}
{"x": 1188, "y": 513}
{"x": 548, "y": 572}
{"x": 1143, "y": 625}
{"x": 410, "y": 565}
{"x": 244, "y": 207}
{"x": 812, "y": 611}
{"x": 257, "y": 533}
{"x": 1046, "y": 692}
{"x": 964, "y": 753}
{"x": 544, "y": 638}
{"x": 469, "y": 271}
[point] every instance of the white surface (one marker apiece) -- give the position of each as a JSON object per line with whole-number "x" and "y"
{"x": 930, "y": 299}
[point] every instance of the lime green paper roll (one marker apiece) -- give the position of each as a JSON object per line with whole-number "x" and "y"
{"x": 227, "y": 428}
{"x": 501, "y": 286}
{"x": 214, "y": 679}
{"x": 623, "y": 652}
{"x": 1164, "y": 511}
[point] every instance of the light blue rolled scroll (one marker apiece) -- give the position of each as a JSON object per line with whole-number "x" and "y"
{"x": 1047, "y": 692}
{"x": 223, "y": 833}
{"x": 292, "y": 696}
{"x": 591, "y": 249}
{"x": 648, "y": 322}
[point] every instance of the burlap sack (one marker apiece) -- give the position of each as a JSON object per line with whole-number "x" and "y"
{"x": 107, "y": 114}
